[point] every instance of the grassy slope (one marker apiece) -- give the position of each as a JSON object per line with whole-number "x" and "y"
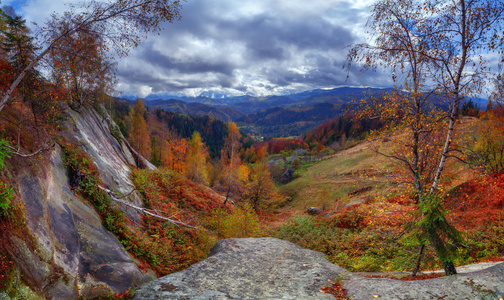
{"x": 339, "y": 175}
{"x": 372, "y": 242}
{"x": 359, "y": 167}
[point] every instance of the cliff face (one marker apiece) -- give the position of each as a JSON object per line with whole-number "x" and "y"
{"x": 69, "y": 253}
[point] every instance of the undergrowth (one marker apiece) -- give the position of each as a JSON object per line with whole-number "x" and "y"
{"x": 351, "y": 245}
{"x": 371, "y": 237}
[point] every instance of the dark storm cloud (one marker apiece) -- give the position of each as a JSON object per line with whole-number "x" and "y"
{"x": 221, "y": 46}
{"x": 191, "y": 66}
{"x": 235, "y": 47}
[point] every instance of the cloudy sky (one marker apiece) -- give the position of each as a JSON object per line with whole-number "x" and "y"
{"x": 237, "y": 47}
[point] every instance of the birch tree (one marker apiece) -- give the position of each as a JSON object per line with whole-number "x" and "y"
{"x": 121, "y": 23}
{"x": 440, "y": 48}
{"x": 230, "y": 158}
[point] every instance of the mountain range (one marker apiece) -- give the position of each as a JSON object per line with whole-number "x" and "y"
{"x": 276, "y": 115}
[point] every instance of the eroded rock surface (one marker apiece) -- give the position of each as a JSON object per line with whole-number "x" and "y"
{"x": 69, "y": 253}
{"x": 269, "y": 268}
{"x": 264, "y": 268}
{"x": 484, "y": 284}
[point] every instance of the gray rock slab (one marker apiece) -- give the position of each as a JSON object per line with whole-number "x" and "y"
{"x": 92, "y": 131}
{"x": 269, "y": 268}
{"x": 264, "y": 268}
{"x": 483, "y": 284}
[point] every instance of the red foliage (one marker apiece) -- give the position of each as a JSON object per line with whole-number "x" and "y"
{"x": 6, "y": 74}
{"x": 336, "y": 289}
{"x": 352, "y": 217}
{"x": 401, "y": 200}
{"x": 476, "y": 203}
{"x": 277, "y": 145}
{"x": 6, "y": 263}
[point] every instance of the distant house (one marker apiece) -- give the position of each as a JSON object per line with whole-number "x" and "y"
{"x": 300, "y": 152}
{"x": 282, "y": 162}
{"x": 287, "y": 175}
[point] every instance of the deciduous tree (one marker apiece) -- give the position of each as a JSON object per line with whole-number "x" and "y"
{"x": 79, "y": 63}
{"x": 174, "y": 154}
{"x": 140, "y": 138}
{"x": 197, "y": 158}
{"x": 121, "y": 24}
{"x": 230, "y": 159}
{"x": 439, "y": 47}
{"x": 260, "y": 191}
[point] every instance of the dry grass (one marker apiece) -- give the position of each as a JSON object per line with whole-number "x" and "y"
{"x": 328, "y": 183}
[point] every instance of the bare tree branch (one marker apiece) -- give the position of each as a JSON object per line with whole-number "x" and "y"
{"x": 146, "y": 211}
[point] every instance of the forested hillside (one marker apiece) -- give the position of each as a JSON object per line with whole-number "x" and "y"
{"x": 164, "y": 125}
{"x": 99, "y": 195}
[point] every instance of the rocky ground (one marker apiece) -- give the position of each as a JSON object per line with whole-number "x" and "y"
{"x": 269, "y": 268}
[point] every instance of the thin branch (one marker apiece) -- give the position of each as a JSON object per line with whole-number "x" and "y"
{"x": 145, "y": 211}
{"x": 16, "y": 151}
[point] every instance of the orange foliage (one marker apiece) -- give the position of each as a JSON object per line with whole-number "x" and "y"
{"x": 174, "y": 154}
{"x": 31, "y": 125}
{"x": 139, "y": 134}
{"x": 171, "y": 195}
{"x": 477, "y": 202}
{"x": 336, "y": 289}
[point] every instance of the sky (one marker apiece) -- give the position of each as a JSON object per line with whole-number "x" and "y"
{"x": 237, "y": 47}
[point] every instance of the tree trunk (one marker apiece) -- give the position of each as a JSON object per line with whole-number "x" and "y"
{"x": 417, "y": 265}
{"x": 449, "y": 268}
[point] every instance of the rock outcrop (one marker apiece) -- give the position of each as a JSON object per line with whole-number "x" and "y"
{"x": 69, "y": 254}
{"x": 269, "y": 268}
{"x": 264, "y": 268}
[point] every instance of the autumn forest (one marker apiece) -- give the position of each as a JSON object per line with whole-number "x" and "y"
{"x": 405, "y": 178}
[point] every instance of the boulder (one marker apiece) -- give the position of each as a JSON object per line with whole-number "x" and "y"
{"x": 69, "y": 254}
{"x": 484, "y": 284}
{"x": 264, "y": 268}
{"x": 314, "y": 211}
{"x": 356, "y": 202}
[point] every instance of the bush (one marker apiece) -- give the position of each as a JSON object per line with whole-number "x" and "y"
{"x": 240, "y": 223}
{"x": 488, "y": 147}
{"x": 6, "y": 196}
{"x": 357, "y": 249}
{"x": 349, "y": 218}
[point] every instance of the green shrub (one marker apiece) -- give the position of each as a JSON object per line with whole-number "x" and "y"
{"x": 6, "y": 198}
{"x": 6, "y": 195}
{"x": 356, "y": 248}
